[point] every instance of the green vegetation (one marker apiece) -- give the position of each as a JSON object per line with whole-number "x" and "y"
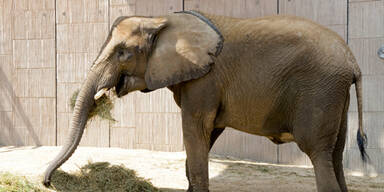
{"x": 101, "y": 108}
{"x": 12, "y": 183}
{"x": 101, "y": 176}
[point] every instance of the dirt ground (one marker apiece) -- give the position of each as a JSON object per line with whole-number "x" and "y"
{"x": 166, "y": 169}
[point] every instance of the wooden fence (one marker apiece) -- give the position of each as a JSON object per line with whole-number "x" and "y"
{"x": 47, "y": 46}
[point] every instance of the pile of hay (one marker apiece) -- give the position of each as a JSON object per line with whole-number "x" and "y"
{"x": 101, "y": 176}
{"x": 12, "y": 183}
{"x": 101, "y": 108}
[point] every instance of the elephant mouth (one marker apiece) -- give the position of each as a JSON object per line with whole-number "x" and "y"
{"x": 104, "y": 89}
{"x": 120, "y": 86}
{"x": 117, "y": 88}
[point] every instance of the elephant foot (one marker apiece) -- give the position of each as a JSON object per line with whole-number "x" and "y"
{"x": 190, "y": 189}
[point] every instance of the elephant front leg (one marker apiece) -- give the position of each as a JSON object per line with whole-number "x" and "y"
{"x": 197, "y": 144}
{"x": 214, "y": 135}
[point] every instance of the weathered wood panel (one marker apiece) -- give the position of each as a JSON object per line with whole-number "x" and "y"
{"x": 6, "y": 125}
{"x": 241, "y": 8}
{"x": 34, "y": 121}
{"x": 6, "y": 74}
{"x": 366, "y": 26}
{"x": 365, "y": 51}
{"x": 29, "y": 85}
{"x": 6, "y": 27}
{"x": 330, "y": 13}
{"x": 366, "y": 19}
{"x": 82, "y": 27}
{"x": 325, "y": 12}
{"x": 6, "y": 85}
{"x": 159, "y": 130}
{"x": 123, "y": 137}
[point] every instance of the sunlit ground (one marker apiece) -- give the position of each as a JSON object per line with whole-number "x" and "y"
{"x": 165, "y": 170}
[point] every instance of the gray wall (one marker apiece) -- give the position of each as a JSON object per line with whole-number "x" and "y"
{"x": 47, "y": 46}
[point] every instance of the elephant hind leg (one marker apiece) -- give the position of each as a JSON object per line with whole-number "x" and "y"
{"x": 316, "y": 128}
{"x": 326, "y": 179}
{"x": 339, "y": 148}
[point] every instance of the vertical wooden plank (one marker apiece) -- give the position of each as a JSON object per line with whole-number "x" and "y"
{"x": 124, "y": 111}
{"x": 365, "y": 51}
{"x": 33, "y": 53}
{"x": 123, "y": 137}
{"x": 373, "y": 92}
{"x": 6, "y": 27}
{"x": 121, "y": 8}
{"x": 63, "y": 125}
{"x": 326, "y": 12}
{"x": 174, "y": 132}
{"x": 157, "y": 7}
{"x": 82, "y": 26}
{"x": 34, "y": 24}
{"x": 157, "y": 102}
{"x": 373, "y": 122}
{"x": 366, "y": 36}
{"x": 123, "y": 131}
{"x": 159, "y": 131}
{"x": 365, "y": 19}
{"x": 96, "y": 133}
{"x": 233, "y": 142}
{"x": 6, "y": 74}
{"x": 241, "y": 9}
{"x": 35, "y": 82}
{"x": 6, "y": 125}
{"x": 330, "y": 13}
{"x": 6, "y": 84}
{"x": 354, "y": 162}
{"x": 34, "y": 122}
{"x": 291, "y": 154}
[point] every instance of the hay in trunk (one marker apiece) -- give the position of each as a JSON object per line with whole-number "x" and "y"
{"x": 102, "y": 107}
{"x": 101, "y": 176}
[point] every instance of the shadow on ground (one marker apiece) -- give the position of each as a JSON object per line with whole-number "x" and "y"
{"x": 247, "y": 176}
{"x": 236, "y": 176}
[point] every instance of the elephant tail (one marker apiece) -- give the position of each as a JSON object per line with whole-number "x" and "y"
{"x": 361, "y": 136}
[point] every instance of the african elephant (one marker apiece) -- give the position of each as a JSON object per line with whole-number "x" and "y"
{"x": 282, "y": 77}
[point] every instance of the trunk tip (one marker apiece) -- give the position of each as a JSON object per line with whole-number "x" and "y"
{"x": 47, "y": 180}
{"x": 47, "y": 183}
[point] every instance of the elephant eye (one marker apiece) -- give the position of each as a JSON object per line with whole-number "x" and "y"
{"x": 123, "y": 55}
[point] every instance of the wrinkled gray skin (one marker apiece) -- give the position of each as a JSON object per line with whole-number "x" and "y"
{"x": 285, "y": 78}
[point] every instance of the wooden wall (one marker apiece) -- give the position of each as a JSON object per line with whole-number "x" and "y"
{"x": 47, "y": 47}
{"x": 365, "y": 37}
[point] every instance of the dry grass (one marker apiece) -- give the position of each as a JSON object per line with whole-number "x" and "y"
{"x": 12, "y": 183}
{"x": 101, "y": 108}
{"x": 101, "y": 176}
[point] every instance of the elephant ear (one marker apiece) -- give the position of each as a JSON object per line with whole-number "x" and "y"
{"x": 184, "y": 51}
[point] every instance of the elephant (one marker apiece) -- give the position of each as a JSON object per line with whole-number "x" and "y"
{"x": 282, "y": 77}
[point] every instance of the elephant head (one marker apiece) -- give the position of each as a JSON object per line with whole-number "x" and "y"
{"x": 142, "y": 53}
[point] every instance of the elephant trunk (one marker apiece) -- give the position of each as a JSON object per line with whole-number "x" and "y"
{"x": 83, "y": 105}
